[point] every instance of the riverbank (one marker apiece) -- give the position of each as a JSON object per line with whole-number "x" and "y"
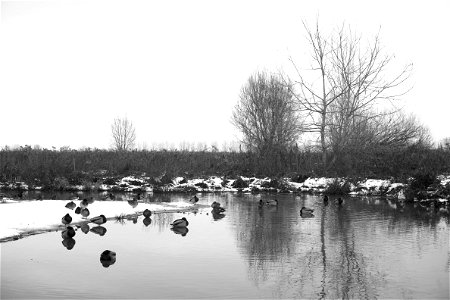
{"x": 418, "y": 188}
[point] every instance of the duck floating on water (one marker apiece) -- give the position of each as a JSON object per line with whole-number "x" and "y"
{"x": 66, "y": 220}
{"x": 84, "y": 203}
{"x": 107, "y": 258}
{"x": 180, "y": 222}
{"x": 69, "y": 232}
{"x": 194, "y": 199}
{"x": 325, "y": 199}
{"x": 147, "y": 213}
{"x": 71, "y": 205}
{"x": 85, "y": 212}
{"x": 133, "y": 202}
{"x": 306, "y": 211}
{"x": 99, "y": 220}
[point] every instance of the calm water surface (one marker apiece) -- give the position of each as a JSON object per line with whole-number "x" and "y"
{"x": 368, "y": 248}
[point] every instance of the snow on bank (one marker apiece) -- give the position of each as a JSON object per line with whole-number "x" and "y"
{"x": 29, "y": 216}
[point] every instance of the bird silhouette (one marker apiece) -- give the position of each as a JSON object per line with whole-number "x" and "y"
{"x": 69, "y": 232}
{"x": 99, "y": 220}
{"x": 180, "y": 222}
{"x": 67, "y": 219}
{"x": 147, "y": 213}
{"x": 71, "y": 205}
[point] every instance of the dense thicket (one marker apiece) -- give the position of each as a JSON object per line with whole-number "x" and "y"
{"x": 44, "y": 167}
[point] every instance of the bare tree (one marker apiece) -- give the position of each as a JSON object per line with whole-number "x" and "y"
{"x": 349, "y": 73}
{"x": 123, "y": 134}
{"x": 266, "y": 113}
{"x": 266, "y": 116}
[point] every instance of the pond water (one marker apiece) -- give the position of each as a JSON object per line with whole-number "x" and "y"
{"x": 366, "y": 248}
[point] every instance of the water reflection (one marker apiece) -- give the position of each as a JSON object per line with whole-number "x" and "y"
{"x": 108, "y": 258}
{"x": 85, "y": 228}
{"x": 69, "y": 243}
{"x": 100, "y": 230}
{"x": 333, "y": 255}
{"x": 147, "y": 221}
{"x": 180, "y": 230}
{"x": 365, "y": 248}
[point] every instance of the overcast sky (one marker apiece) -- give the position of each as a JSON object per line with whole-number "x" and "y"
{"x": 175, "y": 68}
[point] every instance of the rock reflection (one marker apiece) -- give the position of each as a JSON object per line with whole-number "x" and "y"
{"x": 100, "y": 230}
{"x": 180, "y": 230}
{"x": 69, "y": 243}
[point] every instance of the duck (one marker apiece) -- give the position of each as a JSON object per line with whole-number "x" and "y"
{"x": 84, "y": 203}
{"x": 71, "y": 205}
{"x": 69, "y": 232}
{"x": 215, "y": 205}
{"x": 107, "y": 258}
{"x": 147, "y": 213}
{"x": 66, "y": 220}
{"x": 180, "y": 222}
{"x": 218, "y": 210}
{"x": 194, "y": 199}
{"x": 85, "y": 212}
{"x": 325, "y": 199}
{"x": 133, "y": 202}
{"x": 340, "y": 201}
{"x": 99, "y": 220}
{"x": 260, "y": 203}
{"x": 306, "y": 211}
{"x": 272, "y": 202}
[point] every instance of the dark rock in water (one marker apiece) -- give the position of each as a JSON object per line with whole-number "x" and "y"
{"x": 107, "y": 258}
{"x": 78, "y": 210}
{"x": 100, "y": 230}
{"x": 239, "y": 183}
{"x": 147, "y": 221}
{"x": 68, "y": 243}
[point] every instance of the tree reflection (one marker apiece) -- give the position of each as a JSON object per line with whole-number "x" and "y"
{"x": 331, "y": 255}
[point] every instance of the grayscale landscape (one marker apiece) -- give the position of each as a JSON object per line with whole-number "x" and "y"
{"x": 224, "y": 149}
